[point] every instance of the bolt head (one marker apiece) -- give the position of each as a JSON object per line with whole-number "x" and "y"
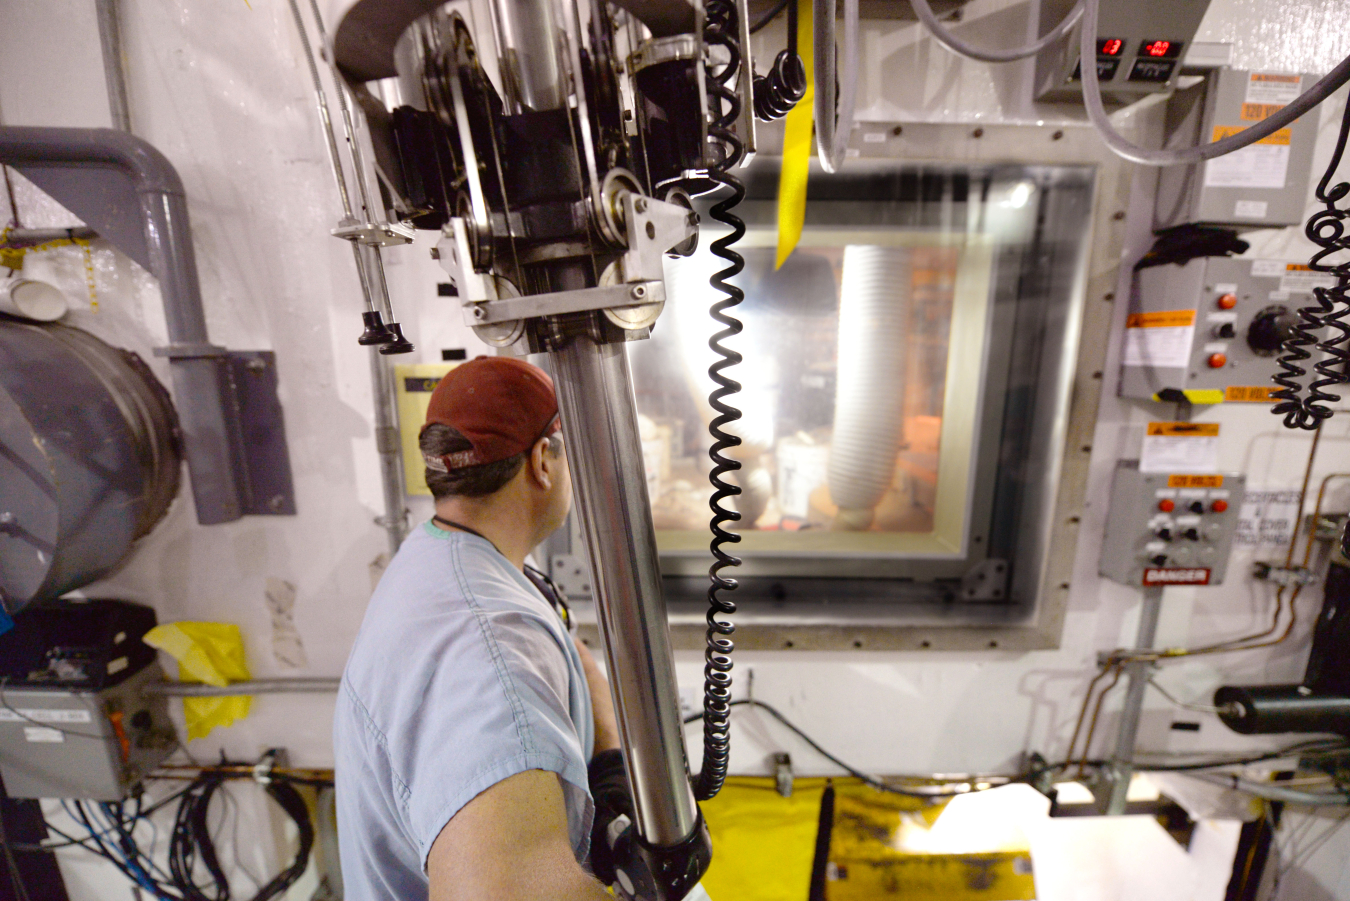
{"x": 640, "y": 204}
{"x": 479, "y": 313}
{"x": 435, "y": 253}
{"x": 639, "y": 292}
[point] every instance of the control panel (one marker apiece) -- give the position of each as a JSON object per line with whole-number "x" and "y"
{"x": 1170, "y": 528}
{"x": 1139, "y": 48}
{"x": 1212, "y": 328}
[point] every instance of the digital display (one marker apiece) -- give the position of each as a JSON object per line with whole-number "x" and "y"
{"x": 1110, "y": 46}
{"x": 1161, "y": 49}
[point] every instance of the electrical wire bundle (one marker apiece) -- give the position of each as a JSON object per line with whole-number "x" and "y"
{"x": 726, "y": 149}
{"x": 1326, "y": 228}
{"x": 111, "y": 829}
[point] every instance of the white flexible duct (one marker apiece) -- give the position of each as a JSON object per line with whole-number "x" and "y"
{"x": 869, "y": 388}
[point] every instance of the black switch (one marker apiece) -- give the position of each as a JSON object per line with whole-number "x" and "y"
{"x": 1197, "y": 507}
{"x": 1191, "y": 534}
{"x": 1225, "y": 330}
{"x": 1165, "y": 534}
{"x": 1158, "y": 559}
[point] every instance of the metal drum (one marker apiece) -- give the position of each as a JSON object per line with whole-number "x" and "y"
{"x": 90, "y": 458}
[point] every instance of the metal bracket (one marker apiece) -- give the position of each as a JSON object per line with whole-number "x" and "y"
{"x": 654, "y": 227}
{"x": 782, "y": 774}
{"x": 1284, "y": 576}
{"x": 190, "y": 351}
{"x": 374, "y": 234}
{"x": 456, "y": 258}
{"x": 533, "y": 306}
{"x": 986, "y": 581}
{"x": 270, "y": 489}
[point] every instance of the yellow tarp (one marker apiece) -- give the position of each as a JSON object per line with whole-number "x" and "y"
{"x": 206, "y": 652}
{"x": 764, "y": 846}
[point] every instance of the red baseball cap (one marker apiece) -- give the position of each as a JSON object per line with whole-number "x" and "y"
{"x": 502, "y": 405}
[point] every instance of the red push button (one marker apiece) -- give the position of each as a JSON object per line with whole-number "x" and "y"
{"x": 1226, "y": 302}
{"x": 1217, "y": 361}
{"x": 1167, "y": 505}
{"x": 1219, "y": 506}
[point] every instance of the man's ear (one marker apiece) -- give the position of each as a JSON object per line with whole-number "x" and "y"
{"x": 543, "y": 467}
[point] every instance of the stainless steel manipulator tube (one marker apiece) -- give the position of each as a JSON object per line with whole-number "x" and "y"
{"x": 595, "y": 399}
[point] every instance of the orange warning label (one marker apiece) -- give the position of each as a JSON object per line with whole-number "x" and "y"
{"x": 1249, "y": 394}
{"x": 1184, "y": 429}
{"x": 1274, "y": 77}
{"x": 1282, "y": 136}
{"x": 1161, "y": 319}
{"x": 1194, "y": 481}
{"x": 1255, "y": 112}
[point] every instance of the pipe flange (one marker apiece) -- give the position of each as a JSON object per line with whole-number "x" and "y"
{"x": 501, "y": 334}
{"x": 611, "y": 220}
{"x": 680, "y": 197}
{"x": 638, "y": 316}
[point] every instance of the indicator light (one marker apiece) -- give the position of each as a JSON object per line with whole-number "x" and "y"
{"x": 1226, "y": 302}
{"x": 1219, "y": 506}
{"x": 1167, "y": 505}
{"x": 1217, "y": 361}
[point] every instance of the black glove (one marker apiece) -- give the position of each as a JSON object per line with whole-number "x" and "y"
{"x": 609, "y": 788}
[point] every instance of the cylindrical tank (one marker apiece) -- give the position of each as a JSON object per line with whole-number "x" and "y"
{"x": 1266, "y": 709}
{"x": 90, "y": 458}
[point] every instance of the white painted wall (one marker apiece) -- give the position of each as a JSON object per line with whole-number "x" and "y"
{"x": 221, "y": 89}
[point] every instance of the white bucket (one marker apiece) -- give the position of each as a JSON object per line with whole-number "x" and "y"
{"x": 31, "y": 299}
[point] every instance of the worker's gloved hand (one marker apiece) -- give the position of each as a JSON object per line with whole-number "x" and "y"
{"x": 609, "y": 787}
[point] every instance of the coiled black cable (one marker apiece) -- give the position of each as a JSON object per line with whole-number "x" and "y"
{"x": 779, "y": 91}
{"x": 1326, "y": 228}
{"x": 726, "y": 150}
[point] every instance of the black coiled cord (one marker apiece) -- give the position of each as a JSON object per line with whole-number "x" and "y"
{"x": 720, "y": 28}
{"x": 779, "y": 91}
{"x": 1326, "y": 228}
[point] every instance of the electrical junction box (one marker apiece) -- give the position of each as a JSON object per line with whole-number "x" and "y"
{"x": 1261, "y": 186}
{"x": 1170, "y": 528}
{"x": 1140, "y": 44}
{"x": 1210, "y": 330}
{"x": 90, "y": 745}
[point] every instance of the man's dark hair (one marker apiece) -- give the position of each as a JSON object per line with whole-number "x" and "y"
{"x": 470, "y": 481}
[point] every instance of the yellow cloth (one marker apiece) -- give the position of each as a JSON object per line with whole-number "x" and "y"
{"x": 206, "y": 652}
{"x": 797, "y": 146}
{"x": 763, "y": 844}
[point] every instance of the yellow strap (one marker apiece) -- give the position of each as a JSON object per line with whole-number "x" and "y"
{"x": 796, "y": 147}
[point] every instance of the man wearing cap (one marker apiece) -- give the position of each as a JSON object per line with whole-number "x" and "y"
{"x": 468, "y": 715}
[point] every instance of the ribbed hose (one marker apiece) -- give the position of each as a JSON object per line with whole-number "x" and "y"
{"x": 868, "y": 420}
{"x": 721, "y": 28}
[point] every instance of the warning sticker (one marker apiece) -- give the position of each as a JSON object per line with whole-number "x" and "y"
{"x": 1194, "y": 481}
{"x": 1264, "y": 164}
{"x": 1249, "y": 394}
{"x": 1268, "y": 268}
{"x": 1180, "y": 447}
{"x": 43, "y": 734}
{"x": 1272, "y": 89}
{"x": 1161, "y": 338}
{"x": 1300, "y": 279}
{"x": 1176, "y": 576}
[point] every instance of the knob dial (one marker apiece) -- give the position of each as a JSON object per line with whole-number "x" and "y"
{"x": 1191, "y": 534}
{"x": 1269, "y": 330}
{"x": 1197, "y": 507}
{"x": 1165, "y": 534}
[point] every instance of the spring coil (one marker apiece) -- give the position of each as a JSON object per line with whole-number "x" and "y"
{"x": 779, "y": 91}
{"x": 1326, "y": 229}
{"x": 721, "y": 28}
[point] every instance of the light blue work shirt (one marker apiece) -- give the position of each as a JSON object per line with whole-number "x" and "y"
{"x": 461, "y": 676}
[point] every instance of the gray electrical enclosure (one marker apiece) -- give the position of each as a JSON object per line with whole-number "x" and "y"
{"x": 1261, "y": 186}
{"x": 83, "y": 744}
{"x": 1170, "y": 528}
{"x": 1212, "y": 328}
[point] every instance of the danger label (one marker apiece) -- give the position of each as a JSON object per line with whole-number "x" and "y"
{"x": 1176, "y": 576}
{"x": 1249, "y": 394}
{"x": 1194, "y": 481}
